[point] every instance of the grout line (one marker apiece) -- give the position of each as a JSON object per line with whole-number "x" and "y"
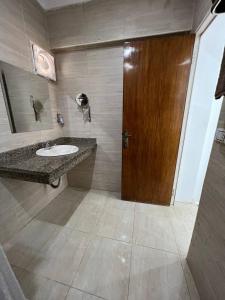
{"x": 101, "y": 213}
{"x": 85, "y": 292}
{"x": 96, "y": 235}
{"x": 131, "y": 255}
{"x": 67, "y": 293}
{"x": 90, "y": 239}
{"x": 134, "y": 223}
{"x": 180, "y": 255}
{"x": 129, "y": 276}
{"x": 61, "y": 283}
{"x": 92, "y": 235}
{"x": 127, "y": 243}
{"x": 158, "y": 249}
{"x": 40, "y": 275}
{"x": 113, "y": 239}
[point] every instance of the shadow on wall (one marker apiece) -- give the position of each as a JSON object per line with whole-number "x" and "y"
{"x": 82, "y": 175}
{"x": 20, "y": 202}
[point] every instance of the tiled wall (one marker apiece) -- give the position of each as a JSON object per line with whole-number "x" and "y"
{"x": 100, "y": 20}
{"x": 99, "y": 74}
{"x": 20, "y": 21}
{"x": 201, "y": 10}
{"x": 206, "y": 254}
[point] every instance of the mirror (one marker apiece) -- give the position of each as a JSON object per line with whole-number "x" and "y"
{"x": 26, "y": 98}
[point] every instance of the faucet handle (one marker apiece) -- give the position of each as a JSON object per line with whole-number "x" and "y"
{"x": 47, "y": 146}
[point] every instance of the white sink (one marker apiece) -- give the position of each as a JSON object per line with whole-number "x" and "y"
{"x": 57, "y": 150}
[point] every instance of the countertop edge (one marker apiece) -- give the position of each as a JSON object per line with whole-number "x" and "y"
{"x": 48, "y": 177}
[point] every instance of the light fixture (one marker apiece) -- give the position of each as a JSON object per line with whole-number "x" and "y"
{"x": 44, "y": 63}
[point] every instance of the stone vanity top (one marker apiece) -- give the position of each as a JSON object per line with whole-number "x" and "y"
{"x": 24, "y": 164}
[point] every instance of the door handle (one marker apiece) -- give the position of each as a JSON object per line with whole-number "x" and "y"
{"x": 125, "y": 137}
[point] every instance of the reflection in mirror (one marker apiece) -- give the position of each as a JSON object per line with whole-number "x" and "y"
{"x": 26, "y": 98}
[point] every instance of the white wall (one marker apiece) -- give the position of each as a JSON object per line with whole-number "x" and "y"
{"x": 203, "y": 115}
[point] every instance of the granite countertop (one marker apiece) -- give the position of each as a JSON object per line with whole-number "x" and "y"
{"x": 24, "y": 164}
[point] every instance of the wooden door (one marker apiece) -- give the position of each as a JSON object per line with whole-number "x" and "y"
{"x": 156, "y": 74}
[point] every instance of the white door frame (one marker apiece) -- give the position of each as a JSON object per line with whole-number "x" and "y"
{"x": 199, "y": 31}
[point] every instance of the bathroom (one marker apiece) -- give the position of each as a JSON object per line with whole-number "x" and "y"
{"x": 95, "y": 179}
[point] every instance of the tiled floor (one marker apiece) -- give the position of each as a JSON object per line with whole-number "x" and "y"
{"x": 91, "y": 245}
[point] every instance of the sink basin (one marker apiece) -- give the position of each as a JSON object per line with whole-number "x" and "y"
{"x": 57, "y": 150}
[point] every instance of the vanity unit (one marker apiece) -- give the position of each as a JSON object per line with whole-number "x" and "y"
{"x": 25, "y": 163}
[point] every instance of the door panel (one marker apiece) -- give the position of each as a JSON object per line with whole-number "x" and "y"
{"x": 156, "y": 73}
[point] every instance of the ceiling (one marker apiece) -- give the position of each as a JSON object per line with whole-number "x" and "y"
{"x": 53, "y": 4}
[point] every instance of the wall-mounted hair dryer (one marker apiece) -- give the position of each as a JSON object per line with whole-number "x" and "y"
{"x": 84, "y": 106}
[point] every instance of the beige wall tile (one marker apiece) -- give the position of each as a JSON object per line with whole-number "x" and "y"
{"x": 99, "y": 74}
{"x": 69, "y": 27}
{"x": 206, "y": 254}
{"x": 20, "y": 201}
{"x": 21, "y": 20}
{"x": 35, "y": 23}
{"x": 201, "y": 10}
{"x": 99, "y": 20}
{"x": 13, "y": 45}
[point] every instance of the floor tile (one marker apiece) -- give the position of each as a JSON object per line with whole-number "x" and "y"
{"x": 154, "y": 231}
{"x": 183, "y": 219}
{"x": 156, "y": 275}
{"x": 60, "y": 210}
{"x": 60, "y": 258}
{"x": 87, "y": 215}
{"x": 117, "y": 220}
{"x": 78, "y": 239}
{"x": 78, "y": 295}
{"x": 152, "y": 210}
{"x": 190, "y": 281}
{"x": 39, "y": 288}
{"x": 182, "y": 236}
{"x": 104, "y": 270}
{"x": 24, "y": 247}
{"x": 186, "y": 214}
{"x": 96, "y": 197}
{"x": 114, "y": 203}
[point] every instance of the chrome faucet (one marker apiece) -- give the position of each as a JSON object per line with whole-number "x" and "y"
{"x": 47, "y": 146}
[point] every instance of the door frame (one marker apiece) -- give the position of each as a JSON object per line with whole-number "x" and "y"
{"x": 199, "y": 31}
